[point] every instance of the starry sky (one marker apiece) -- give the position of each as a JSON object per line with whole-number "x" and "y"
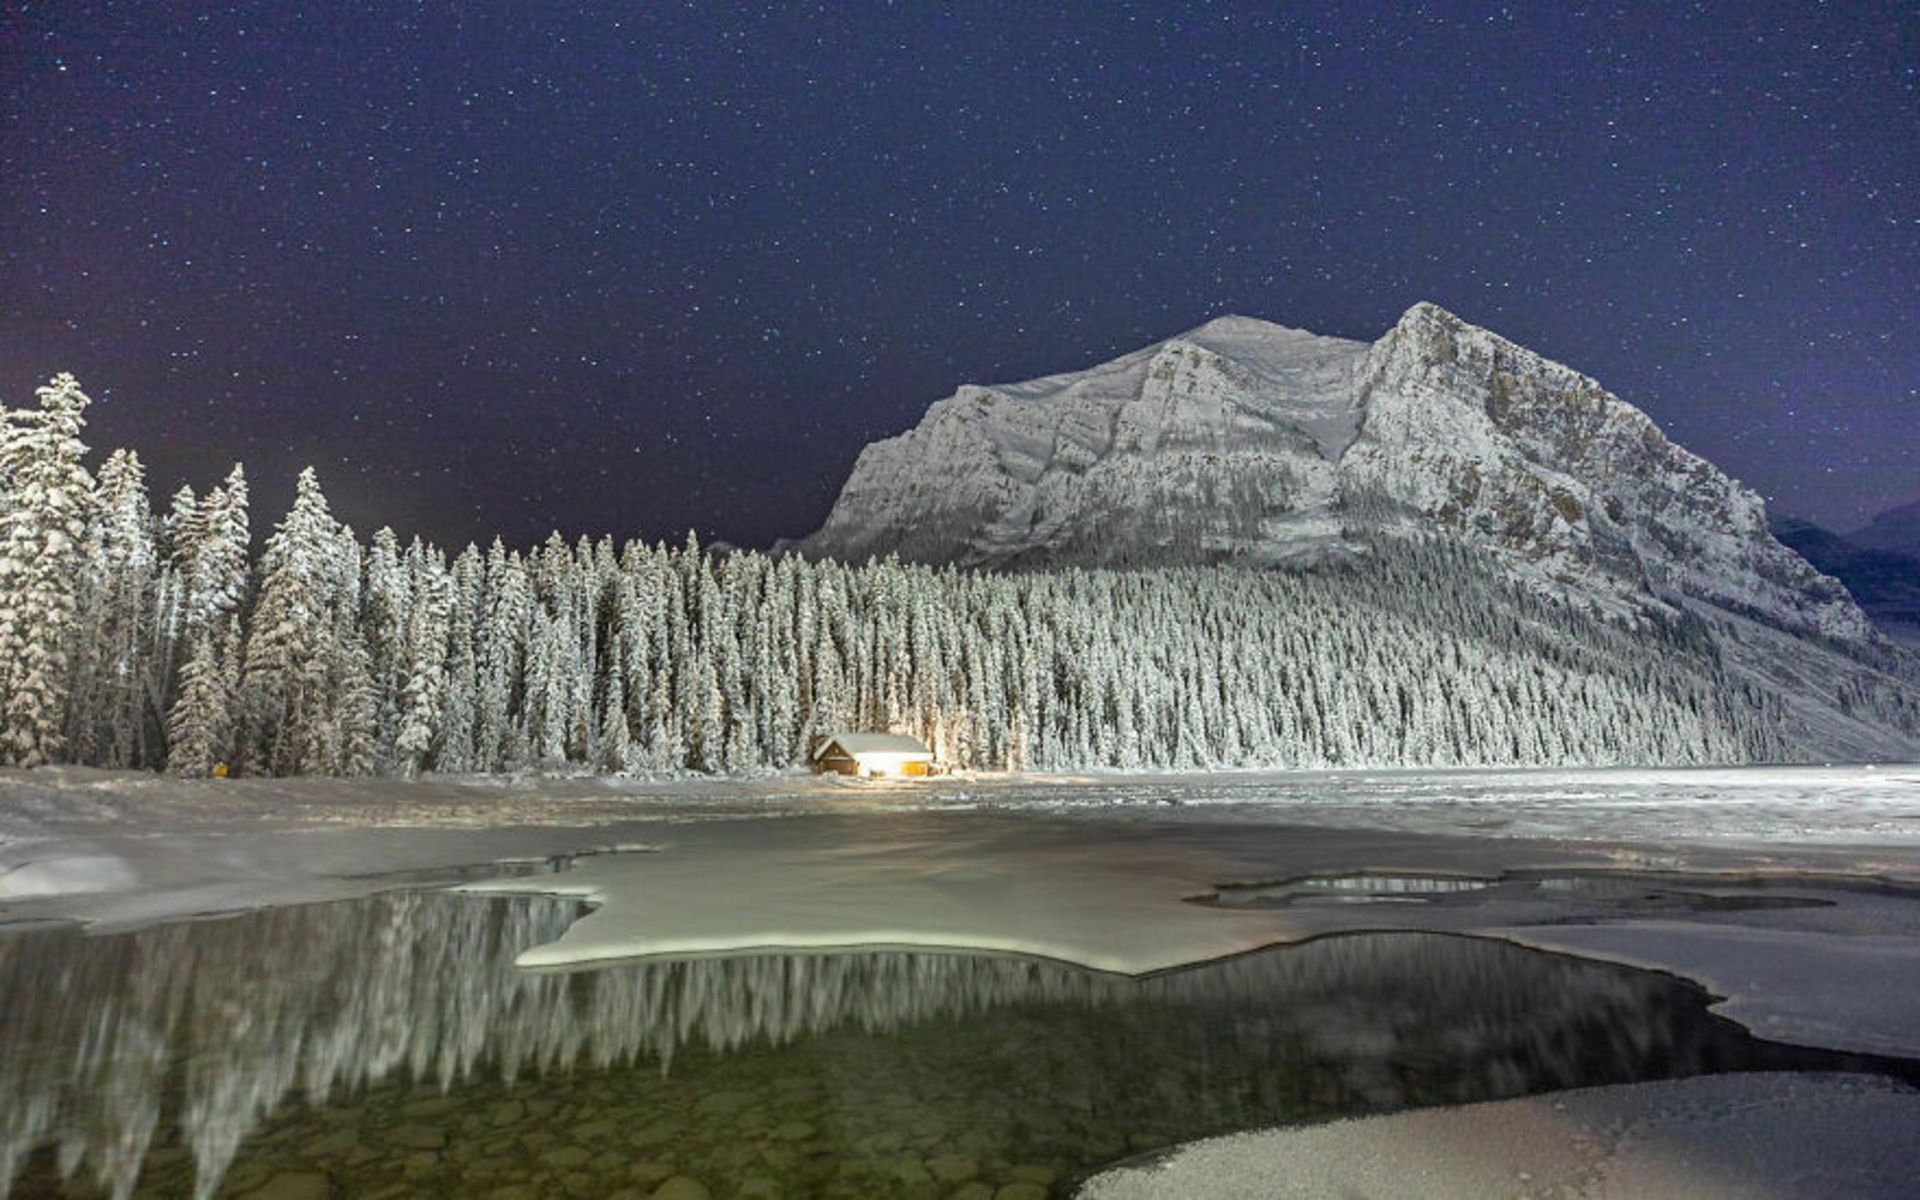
{"x": 639, "y": 268}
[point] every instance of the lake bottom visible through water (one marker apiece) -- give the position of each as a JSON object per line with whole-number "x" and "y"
{"x": 387, "y": 1047}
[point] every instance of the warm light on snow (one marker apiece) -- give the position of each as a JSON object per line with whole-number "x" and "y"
{"x": 881, "y": 765}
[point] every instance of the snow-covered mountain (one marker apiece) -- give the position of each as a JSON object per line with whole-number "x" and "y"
{"x": 1247, "y": 442}
{"x": 1243, "y": 440}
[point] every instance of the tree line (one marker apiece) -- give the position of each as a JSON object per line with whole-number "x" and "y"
{"x": 135, "y": 639}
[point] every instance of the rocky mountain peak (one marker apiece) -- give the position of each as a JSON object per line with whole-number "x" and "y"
{"x": 1243, "y": 440}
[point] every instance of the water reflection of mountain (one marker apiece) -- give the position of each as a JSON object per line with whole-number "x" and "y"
{"x": 217, "y": 1022}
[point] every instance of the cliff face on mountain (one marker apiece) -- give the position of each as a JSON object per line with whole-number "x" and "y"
{"x": 1216, "y": 444}
{"x": 1251, "y": 442}
{"x": 1565, "y": 480}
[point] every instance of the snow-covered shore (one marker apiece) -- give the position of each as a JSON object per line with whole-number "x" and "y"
{"x": 1720, "y": 1137}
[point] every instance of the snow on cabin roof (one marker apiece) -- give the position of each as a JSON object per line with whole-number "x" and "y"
{"x": 873, "y": 743}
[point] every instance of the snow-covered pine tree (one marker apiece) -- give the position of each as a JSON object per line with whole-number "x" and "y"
{"x": 221, "y": 575}
{"x": 423, "y": 695}
{"x": 384, "y": 620}
{"x": 615, "y": 754}
{"x": 541, "y": 743}
{"x": 348, "y": 568}
{"x": 200, "y": 726}
{"x": 166, "y": 648}
{"x": 203, "y": 579}
{"x": 553, "y": 658}
{"x": 49, "y": 501}
{"x": 356, "y": 706}
{"x": 286, "y": 705}
{"x": 502, "y": 640}
{"x": 457, "y": 735}
{"x": 210, "y": 545}
{"x": 116, "y": 712}
{"x": 592, "y": 565}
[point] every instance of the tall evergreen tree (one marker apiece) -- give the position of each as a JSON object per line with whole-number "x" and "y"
{"x": 200, "y": 726}
{"x": 48, "y": 504}
{"x": 457, "y": 734}
{"x": 423, "y": 695}
{"x": 286, "y": 704}
{"x": 115, "y": 718}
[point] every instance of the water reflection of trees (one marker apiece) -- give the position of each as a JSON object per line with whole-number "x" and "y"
{"x": 217, "y": 1022}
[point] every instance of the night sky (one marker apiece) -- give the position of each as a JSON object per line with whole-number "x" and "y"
{"x": 635, "y": 268}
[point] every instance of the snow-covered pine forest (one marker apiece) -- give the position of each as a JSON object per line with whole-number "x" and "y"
{"x": 134, "y": 640}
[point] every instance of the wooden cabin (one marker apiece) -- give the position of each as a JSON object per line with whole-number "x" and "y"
{"x": 873, "y": 755}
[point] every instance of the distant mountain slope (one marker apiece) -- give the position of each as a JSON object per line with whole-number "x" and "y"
{"x": 1896, "y": 530}
{"x": 1252, "y": 443}
{"x": 1886, "y": 584}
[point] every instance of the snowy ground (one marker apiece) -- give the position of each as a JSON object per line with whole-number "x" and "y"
{"x": 1723, "y": 1137}
{"x": 1806, "y": 920}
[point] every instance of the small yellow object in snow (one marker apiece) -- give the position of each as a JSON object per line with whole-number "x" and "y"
{"x": 219, "y": 770}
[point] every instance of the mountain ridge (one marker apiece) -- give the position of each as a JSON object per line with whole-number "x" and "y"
{"x": 1895, "y": 529}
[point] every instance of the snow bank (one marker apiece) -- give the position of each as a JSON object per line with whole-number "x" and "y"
{"x": 65, "y": 876}
{"x": 1726, "y": 1137}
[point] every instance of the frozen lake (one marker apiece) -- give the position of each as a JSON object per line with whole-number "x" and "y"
{"x": 1002, "y": 982}
{"x": 388, "y": 1046}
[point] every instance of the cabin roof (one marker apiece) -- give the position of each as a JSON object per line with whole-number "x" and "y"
{"x": 873, "y": 743}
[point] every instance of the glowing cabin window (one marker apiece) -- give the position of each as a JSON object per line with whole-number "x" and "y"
{"x": 885, "y": 766}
